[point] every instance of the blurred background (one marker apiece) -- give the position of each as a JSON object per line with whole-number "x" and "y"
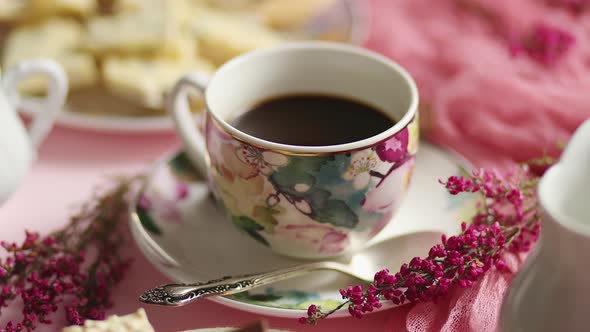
{"x": 498, "y": 79}
{"x": 122, "y": 56}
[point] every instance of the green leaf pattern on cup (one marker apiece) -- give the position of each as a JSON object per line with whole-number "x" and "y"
{"x": 147, "y": 221}
{"x": 296, "y": 182}
{"x": 251, "y": 227}
{"x": 183, "y": 168}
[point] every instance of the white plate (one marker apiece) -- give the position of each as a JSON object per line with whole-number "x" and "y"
{"x": 96, "y": 122}
{"x": 346, "y": 16}
{"x": 189, "y": 239}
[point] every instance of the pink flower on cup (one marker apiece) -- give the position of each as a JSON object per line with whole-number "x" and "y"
{"x": 394, "y": 148}
{"x": 360, "y": 167}
{"x": 326, "y": 239}
{"x": 334, "y": 242}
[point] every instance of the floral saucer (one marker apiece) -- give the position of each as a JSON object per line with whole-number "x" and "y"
{"x": 182, "y": 232}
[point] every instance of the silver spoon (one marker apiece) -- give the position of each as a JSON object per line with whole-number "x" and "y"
{"x": 390, "y": 253}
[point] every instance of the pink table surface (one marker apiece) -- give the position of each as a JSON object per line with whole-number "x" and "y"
{"x": 70, "y": 164}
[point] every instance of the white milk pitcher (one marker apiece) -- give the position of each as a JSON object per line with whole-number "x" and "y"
{"x": 18, "y": 144}
{"x": 552, "y": 291}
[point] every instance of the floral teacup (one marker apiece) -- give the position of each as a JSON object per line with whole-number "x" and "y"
{"x": 303, "y": 201}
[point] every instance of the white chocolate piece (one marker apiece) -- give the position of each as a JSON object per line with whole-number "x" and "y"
{"x": 11, "y": 10}
{"x": 83, "y": 8}
{"x": 129, "y": 33}
{"x": 44, "y": 40}
{"x": 154, "y": 27}
{"x": 56, "y": 39}
{"x": 126, "y": 6}
{"x": 80, "y": 68}
{"x": 284, "y": 14}
{"x": 223, "y": 36}
{"x": 232, "y": 4}
{"x": 135, "y": 322}
{"x": 146, "y": 81}
{"x": 147, "y": 6}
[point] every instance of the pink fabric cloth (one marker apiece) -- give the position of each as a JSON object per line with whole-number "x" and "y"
{"x": 473, "y": 309}
{"x": 484, "y": 103}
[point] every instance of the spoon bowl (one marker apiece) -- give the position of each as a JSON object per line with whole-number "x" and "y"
{"x": 390, "y": 253}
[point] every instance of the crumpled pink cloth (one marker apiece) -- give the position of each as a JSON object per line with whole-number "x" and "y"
{"x": 483, "y": 102}
{"x": 473, "y": 309}
{"x": 486, "y": 104}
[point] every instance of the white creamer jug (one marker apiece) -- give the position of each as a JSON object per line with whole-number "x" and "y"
{"x": 552, "y": 291}
{"x": 18, "y": 144}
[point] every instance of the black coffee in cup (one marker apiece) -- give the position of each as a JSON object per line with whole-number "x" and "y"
{"x": 312, "y": 120}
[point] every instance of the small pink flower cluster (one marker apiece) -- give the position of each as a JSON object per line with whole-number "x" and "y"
{"x": 361, "y": 301}
{"x": 459, "y": 260}
{"x": 313, "y": 313}
{"x": 74, "y": 267}
{"x": 544, "y": 43}
{"x": 44, "y": 274}
{"x": 506, "y": 220}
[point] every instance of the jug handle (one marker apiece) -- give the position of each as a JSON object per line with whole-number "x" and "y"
{"x": 46, "y": 110}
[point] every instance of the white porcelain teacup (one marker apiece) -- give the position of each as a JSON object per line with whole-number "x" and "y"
{"x": 18, "y": 144}
{"x": 303, "y": 201}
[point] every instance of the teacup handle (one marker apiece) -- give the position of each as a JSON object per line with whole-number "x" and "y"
{"x": 46, "y": 110}
{"x": 186, "y": 127}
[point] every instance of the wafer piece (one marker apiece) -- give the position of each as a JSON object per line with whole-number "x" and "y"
{"x": 223, "y": 36}
{"x": 282, "y": 14}
{"x": 152, "y": 27}
{"x": 45, "y": 39}
{"x": 58, "y": 39}
{"x": 130, "y": 33}
{"x": 11, "y": 10}
{"x": 146, "y": 81}
{"x": 82, "y": 8}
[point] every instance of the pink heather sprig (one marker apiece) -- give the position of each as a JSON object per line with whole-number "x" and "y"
{"x": 74, "y": 268}
{"x": 506, "y": 221}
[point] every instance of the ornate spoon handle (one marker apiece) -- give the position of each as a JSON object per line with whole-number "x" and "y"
{"x": 181, "y": 294}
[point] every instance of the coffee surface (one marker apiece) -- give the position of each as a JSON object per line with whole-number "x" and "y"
{"x": 312, "y": 120}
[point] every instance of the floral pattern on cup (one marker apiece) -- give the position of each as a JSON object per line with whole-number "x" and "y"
{"x": 313, "y": 205}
